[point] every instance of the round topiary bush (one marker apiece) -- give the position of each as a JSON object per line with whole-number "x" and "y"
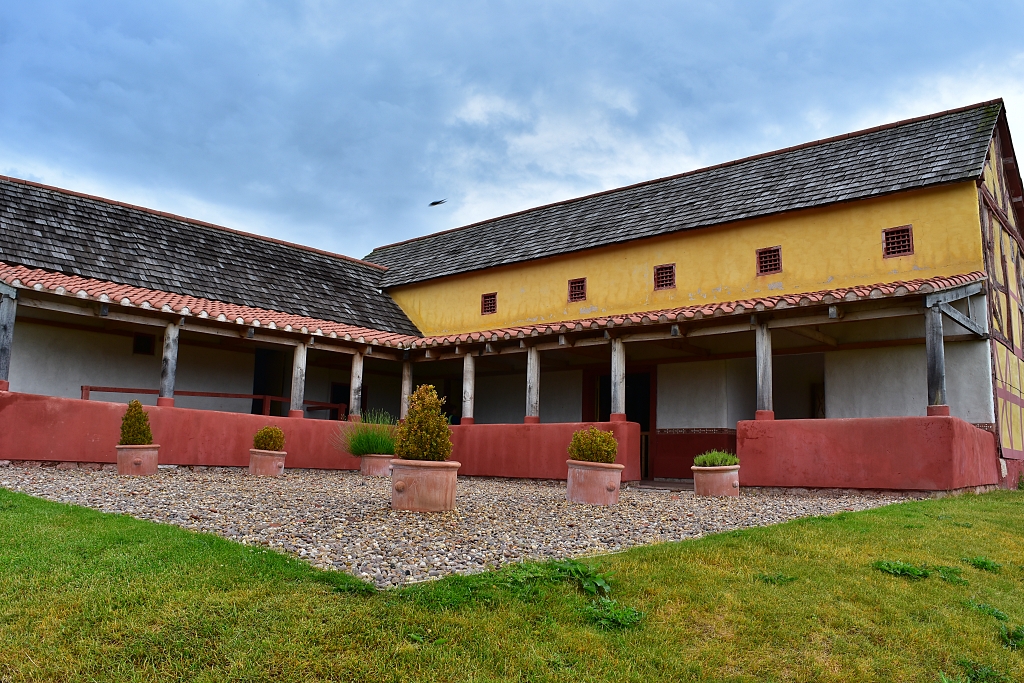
{"x": 269, "y": 439}
{"x": 716, "y": 459}
{"x": 424, "y": 435}
{"x": 593, "y": 445}
{"x": 135, "y": 429}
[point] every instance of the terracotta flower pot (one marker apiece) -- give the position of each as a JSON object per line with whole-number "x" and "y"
{"x": 375, "y": 465}
{"x": 593, "y": 483}
{"x": 716, "y": 481}
{"x": 137, "y": 461}
{"x": 423, "y": 485}
{"x": 266, "y": 463}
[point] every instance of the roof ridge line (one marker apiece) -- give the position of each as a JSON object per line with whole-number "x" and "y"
{"x": 713, "y": 167}
{"x": 194, "y": 221}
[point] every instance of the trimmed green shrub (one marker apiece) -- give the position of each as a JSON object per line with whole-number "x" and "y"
{"x": 900, "y": 568}
{"x": 135, "y": 429}
{"x": 424, "y": 434}
{"x": 716, "y": 459}
{"x": 375, "y": 434}
{"x": 593, "y": 445}
{"x": 269, "y": 439}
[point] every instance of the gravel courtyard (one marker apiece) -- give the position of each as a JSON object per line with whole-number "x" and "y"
{"x": 342, "y": 520}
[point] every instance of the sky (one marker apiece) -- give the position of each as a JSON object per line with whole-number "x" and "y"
{"x": 336, "y": 124}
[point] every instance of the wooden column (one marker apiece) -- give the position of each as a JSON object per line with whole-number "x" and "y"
{"x": 936, "y": 355}
{"x": 468, "y": 388}
{"x": 355, "y": 390}
{"x": 8, "y": 309}
{"x": 763, "y": 350}
{"x": 168, "y": 366}
{"x": 532, "y": 385}
{"x": 403, "y": 409}
{"x": 298, "y": 393}
{"x": 618, "y": 412}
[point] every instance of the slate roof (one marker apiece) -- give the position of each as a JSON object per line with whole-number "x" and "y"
{"x": 940, "y": 148}
{"x": 75, "y": 234}
{"x": 898, "y": 288}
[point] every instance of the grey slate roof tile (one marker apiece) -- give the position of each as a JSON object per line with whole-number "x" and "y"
{"x": 943, "y": 148}
{"x": 61, "y": 231}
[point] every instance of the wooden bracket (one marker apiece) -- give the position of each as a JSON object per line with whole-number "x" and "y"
{"x": 8, "y": 291}
{"x": 962, "y": 320}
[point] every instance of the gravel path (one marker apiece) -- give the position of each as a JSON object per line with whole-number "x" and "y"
{"x": 342, "y": 520}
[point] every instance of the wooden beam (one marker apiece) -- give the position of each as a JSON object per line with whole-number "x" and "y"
{"x": 963, "y": 321}
{"x": 763, "y": 352}
{"x": 812, "y": 333}
{"x": 935, "y": 353}
{"x": 719, "y": 329}
{"x": 954, "y": 294}
{"x": 8, "y": 312}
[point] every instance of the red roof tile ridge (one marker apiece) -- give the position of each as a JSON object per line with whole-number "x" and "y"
{"x": 194, "y": 221}
{"x": 713, "y": 167}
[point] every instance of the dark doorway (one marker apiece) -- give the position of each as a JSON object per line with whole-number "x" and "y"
{"x": 339, "y": 394}
{"x": 270, "y": 376}
{"x": 638, "y": 399}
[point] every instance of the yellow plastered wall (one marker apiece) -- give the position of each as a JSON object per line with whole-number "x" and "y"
{"x": 836, "y": 246}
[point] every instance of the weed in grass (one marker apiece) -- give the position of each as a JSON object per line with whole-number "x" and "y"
{"x": 983, "y": 563}
{"x": 1013, "y": 638}
{"x": 589, "y": 580}
{"x": 608, "y": 615}
{"x": 951, "y": 575}
{"x": 965, "y": 525}
{"x": 943, "y": 678}
{"x": 913, "y": 526}
{"x": 987, "y": 609}
{"x": 774, "y": 579}
{"x": 899, "y": 568}
{"x": 981, "y": 673}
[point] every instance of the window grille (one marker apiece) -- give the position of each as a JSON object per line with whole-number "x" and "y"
{"x": 769, "y": 260}
{"x": 898, "y": 241}
{"x": 665, "y": 276}
{"x": 488, "y": 303}
{"x": 578, "y": 290}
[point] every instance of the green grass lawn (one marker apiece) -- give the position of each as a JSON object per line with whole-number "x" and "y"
{"x": 91, "y": 596}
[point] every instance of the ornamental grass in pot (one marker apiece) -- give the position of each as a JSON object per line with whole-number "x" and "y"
{"x": 266, "y": 457}
{"x": 716, "y": 473}
{"x": 137, "y": 455}
{"x": 372, "y": 440}
{"x": 594, "y": 477}
{"x": 422, "y": 477}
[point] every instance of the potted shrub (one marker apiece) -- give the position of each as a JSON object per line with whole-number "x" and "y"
{"x": 137, "y": 455}
{"x": 372, "y": 440}
{"x": 266, "y": 457}
{"x": 594, "y": 477}
{"x": 422, "y": 477}
{"x": 716, "y": 473}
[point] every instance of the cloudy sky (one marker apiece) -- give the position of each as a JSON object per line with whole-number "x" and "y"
{"x": 335, "y": 124}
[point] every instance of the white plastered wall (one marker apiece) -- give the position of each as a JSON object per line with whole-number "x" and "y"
{"x": 55, "y": 361}
{"x": 706, "y": 394}
{"x": 893, "y": 381}
{"x": 501, "y": 399}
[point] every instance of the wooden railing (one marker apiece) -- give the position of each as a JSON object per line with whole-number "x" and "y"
{"x": 267, "y": 399}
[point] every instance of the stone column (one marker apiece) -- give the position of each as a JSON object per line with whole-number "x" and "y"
{"x": 168, "y": 366}
{"x": 468, "y": 388}
{"x": 618, "y": 412}
{"x": 532, "y": 385}
{"x": 355, "y": 391}
{"x": 763, "y": 351}
{"x": 298, "y": 393}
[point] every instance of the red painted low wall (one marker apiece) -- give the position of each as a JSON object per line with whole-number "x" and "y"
{"x": 536, "y": 451}
{"x": 46, "y": 428}
{"x": 911, "y": 453}
{"x": 672, "y": 454}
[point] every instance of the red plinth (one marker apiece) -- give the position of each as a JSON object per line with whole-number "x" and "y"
{"x": 165, "y": 402}
{"x": 296, "y": 413}
{"x": 531, "y": 419}
{"x": 764, "y": 414}
{"x": 5, "y": 385}
{"x": 466, "y": 421}
{"x": 617, "y": 417}
{"x": 938, "y": 411}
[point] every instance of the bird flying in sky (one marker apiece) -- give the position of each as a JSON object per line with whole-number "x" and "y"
{"x": 438, "y": 202}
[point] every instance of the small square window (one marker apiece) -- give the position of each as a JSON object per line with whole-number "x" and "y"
{"x": 578, "y": 290}
{"x": 665, "y": 276}
{"x": 143, "y": 344}
{"x": 769, "y": 260}
{"x": 898, "y": 241}
{"x": 488, "y": 303}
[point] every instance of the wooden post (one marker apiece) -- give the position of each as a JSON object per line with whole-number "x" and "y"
{"x": 355, "y": 391}
{"x": 532, "y": 385}
{"x": 403, "y": 410}
{"x": 8, "y": 309}
{"x": 618, "y": 412}
{"x": 935, "y": 353}
{"x": 468, "y": 388}
{"x": 168, "y": 366}
{"x": 763, "y": 349}
{"x": 298, "y": 393}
